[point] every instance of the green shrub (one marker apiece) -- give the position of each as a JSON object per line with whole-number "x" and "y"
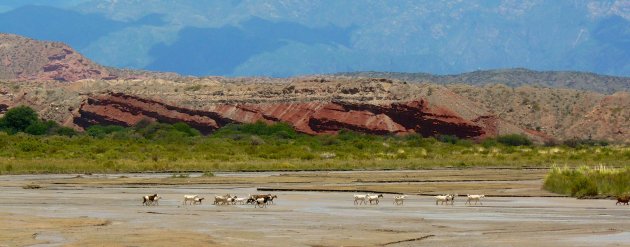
{"x": 184, "y": 128}
{"x": 465, "y": 143}
{"x": 143, "y": 123}
{"x": 260, "y": 128}
{"x": 489, "y": 142}
{"x": 37, "y": 128}
{"x": 452, "y": 139}
{"x": 64, "y": 131}
{"x": 416, "y": 140}
{"x": 328, "y": 140}
{"x": 255, "y": 140}
{"x": 349, "y": 135}
{"x": 28, "y": 146}
{"x": 19, "y": 118}
{"x": 100, "y": 131}
{"x": 514, "y": 140}
{"x": 588, "y": 182}
{"x": 583, "y": 187}
{"x": 574, "y": 143}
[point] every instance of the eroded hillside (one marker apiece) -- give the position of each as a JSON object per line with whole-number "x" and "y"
{"x": 66, "y": 87}
{"x": 26, "y": 59}
{"x": 563, "y": 113}
{"x": 327, "y": 104}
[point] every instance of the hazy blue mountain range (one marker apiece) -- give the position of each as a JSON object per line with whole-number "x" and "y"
{"x": 292, "y": 37}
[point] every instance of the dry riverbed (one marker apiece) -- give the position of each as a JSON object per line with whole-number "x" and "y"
{"x": 96, "y": 210}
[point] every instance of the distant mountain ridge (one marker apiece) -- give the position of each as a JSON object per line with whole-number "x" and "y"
{"x": 296, "y": 37}
{"x": 516, "y": 77}
{"x": 25, "y": 59}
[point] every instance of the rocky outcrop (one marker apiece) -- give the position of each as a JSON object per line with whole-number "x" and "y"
{"x": 317, "y": 117}
{"x": 126, "y": 110}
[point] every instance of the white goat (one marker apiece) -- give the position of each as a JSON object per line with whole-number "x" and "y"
{"x": 198, "y": 200}
{"x": 240, "y": 200}
{"x": 220, "y": 200}
{"x": 231, "y": 200}
{"x": 476, "y": 198}
{"x": 399, "y": 200}
{"x": 189, "y": 198}
{"x": 359, "y": 199}
{"x": 156, "y": 201}
{"x": 372, "y": 198}
{"x": 443, "y": 198}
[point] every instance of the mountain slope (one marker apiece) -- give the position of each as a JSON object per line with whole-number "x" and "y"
{"x": 564, "y": 113}
{"x": 26, "y": 59}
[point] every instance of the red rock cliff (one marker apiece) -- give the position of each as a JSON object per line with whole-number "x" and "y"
{"x": 307, "y": 117}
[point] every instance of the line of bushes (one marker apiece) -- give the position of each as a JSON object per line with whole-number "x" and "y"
{"x": 144, "y": 129}
{"x": 586, "y": 182}
{"x": 25, "y": 119}
{"x": 238, "y": 147}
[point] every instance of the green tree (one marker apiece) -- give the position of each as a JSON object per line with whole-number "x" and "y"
{"x": 37, "y": 128}
{"x": 18, "y": 119}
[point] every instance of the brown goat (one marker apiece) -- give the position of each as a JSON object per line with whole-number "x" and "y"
{"x": 623, "y": 200}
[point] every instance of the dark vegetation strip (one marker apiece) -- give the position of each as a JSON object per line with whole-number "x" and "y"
{"x": 29, "y": 145}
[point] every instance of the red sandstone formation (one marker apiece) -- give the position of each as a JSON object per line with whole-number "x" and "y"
{"x": 306, "y": 117}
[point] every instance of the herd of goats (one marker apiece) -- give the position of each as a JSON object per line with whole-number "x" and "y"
{"x": 263, "y": 200}
{"x": 256, "y": 200}
{"x": 400, "y": 199}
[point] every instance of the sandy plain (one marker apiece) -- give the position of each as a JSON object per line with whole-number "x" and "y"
{"x": 312, "y": 209}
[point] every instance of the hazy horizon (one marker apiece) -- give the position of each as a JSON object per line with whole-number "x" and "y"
{"x": 289, "y": 38}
